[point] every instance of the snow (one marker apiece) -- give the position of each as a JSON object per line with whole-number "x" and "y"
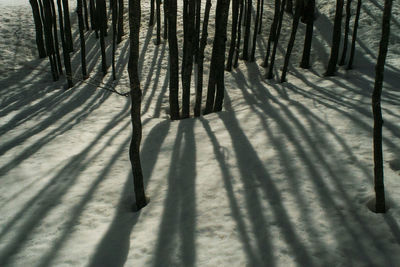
{"x": 282, "y": 176}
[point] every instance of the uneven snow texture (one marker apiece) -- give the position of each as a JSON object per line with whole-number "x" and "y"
{"x": 281, "y": 177}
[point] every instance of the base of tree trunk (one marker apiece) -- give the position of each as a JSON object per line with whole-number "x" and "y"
{"x": 135, "y": 208}
{"x": 371, "y": 205}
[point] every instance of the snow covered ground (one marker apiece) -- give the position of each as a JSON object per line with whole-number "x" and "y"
{"x": 281, "y": 177}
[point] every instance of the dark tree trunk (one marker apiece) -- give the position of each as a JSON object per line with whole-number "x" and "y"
{"x": 120, "y": 31}
{"x": 197, "y": 30}
{"x": 246, "y": 39}
{"x": 308, "y": 17}
{"x": 86, "y": 12}
{"x": 354, "y": 39}
{"x": 376, "y": 109}
{"x": 67, "y": 28}
{"x": 38, "y": 28}
{"x": 165, "y": 7}
{"x": 239, "y": 34}
{"x": 114, "y": 14}
{"x": 333, "y": 59}
{"x": 56, "y": 46}
{"x": 253, "y": 49}
{"x": 48, "y": 34}
{"x": 289, "y": 6}
{"x": 296, "y": 19}
{"x": 173, "y": 61}
{"x": 158, "y": 12}
{"x": 203, "y": 43}
{"x": 235, "y": 11}
{"x": 93, "y": 17}
{"x": 151, "y": 21}
{"x": 82, "y": 39}
{"x": 187, "y": 64}
{"x": 136, "y": 95}
{"x": 346, "y": 33}
{"x": 272, "y": 32}
{"x": 261, "y": 16}
{"x": 276, "y": 39}
{"x": 101, "y": 24}
{"x": 216, "y": 88}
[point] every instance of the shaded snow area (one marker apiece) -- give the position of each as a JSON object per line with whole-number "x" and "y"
{"x": 280, "y": 177}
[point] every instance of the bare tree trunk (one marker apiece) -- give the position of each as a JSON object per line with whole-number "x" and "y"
{"x": 39, "y": 28}
{"x": 114, "y": 10}
{"x": 56, "y": 46}
{"x": 261, "y": 16}
{"x": 165, "y": 6}
{"x": 203, "y": 43}
{"x": 101, "y": 24}
{"x": 246, "y": 39}
{"x": 376, "y": 109}
{"x": 216, "y": 88}
{"x": 85, "y": 9}
{"x": 151, "y": 21}
{"x": 346, "y": 33}
{"x": 120, "y": 31}
{"x": 82, "y": 39}
{"x": 276, "y": 39}
{"x": 196, "y": 42}
{"x": 253, "y": 49}
{"x": 67, "y": 28}
{"x": 308, "y": 17}
{"x": 296, "y": 19}
{"x": 239, "y": 30}
{"x": 187, "y": 64}
{"x": 136, "y": 95}
{"x": 333, "y": 59}
{"x": 173, "y": 61}
{"x": 354, "y": 39}
{"x": 272, "y": 32}
{"x": 289, "y": 6}
{"x": 93, "y": 17}
{"x": 158, "y": 13}
{"x": 235, "y": 11}
{"x": 48, "y": 34}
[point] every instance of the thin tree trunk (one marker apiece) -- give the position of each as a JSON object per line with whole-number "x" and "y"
{"x": 158, "y": 12}
{"x": 100, "y": 11}
{"x": 114, "y": 18}
{"x": 67, "y": 28}
{"x": 82, "y": 39}
{"x": 253, "y": 49}
{"x": 38, "y": 28}
{"x": 56, "y": 46}
{"x": 151, "y": 21}
{"x": 272, "y": 32}
{"x": 136, "y": 95}
{"x": 93, "y": 17}
{"x": 48, "y": 34}
{"x": 296, "y": 19}
{"x": 173, "y": 61}
{"x": 354, "y": 39}
{"x": 235, "y": 11}
{"x": 309, "y": 19}
{"x": 333, "y": 59}
{"x": 239, "y": 25}
{"x": 289, "y": 6}
{"x": 376, "y": 109}
{"x": 261, "y": 16}
{"x": 215, "y": 90}
{"x": 196, "y": 42}
{"x": 85, "y": 9}
{"x": 203, "y": 43}
{"x": 246, "y": 39}
{"x": 276, "y": 39}
{"x": 346, "y": 33}
{"x": 120, "y": 31}
{"x": 165, "y": 6}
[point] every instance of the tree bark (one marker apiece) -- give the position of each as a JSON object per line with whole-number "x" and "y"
{"x": 120, "y": 31}
{"x": 38, "y": 28}
{"x": 101, "y": 24}
{"x": 216, "y": 88}
{"x": 136, "y": 94}
{"x": 276, "y": 39}
{"x": 272, "y": 32}
{"x": 151, "y": 21}
{"x": 296, "y": 19}
{"x": 114, "y": 17}
{"x": 246, "y": 39}
{"x": 346, "y": 33}
{"x": 85, "y": 9}
{"x": 308, "y": 17}
{"x": 67, "y": 28}
{"x": 376, "y": 109}
{"x": 82, "y": 39}
{"x": 333, "y": 59}
{"x": 48, "y": 34}
{"x": 239, "y": 34}
{"x": 354, "y": 39}
{"x": 56, "y": 46}
{"x": 173, "y": 61}
{"x": 203, "y": 43}
{"x": 235, "y": 11}
{"x": 253, "y": 49}
{"x": 158, "y": 13}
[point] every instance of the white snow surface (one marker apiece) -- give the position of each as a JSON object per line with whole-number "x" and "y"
{"x": 281, "y": 177}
